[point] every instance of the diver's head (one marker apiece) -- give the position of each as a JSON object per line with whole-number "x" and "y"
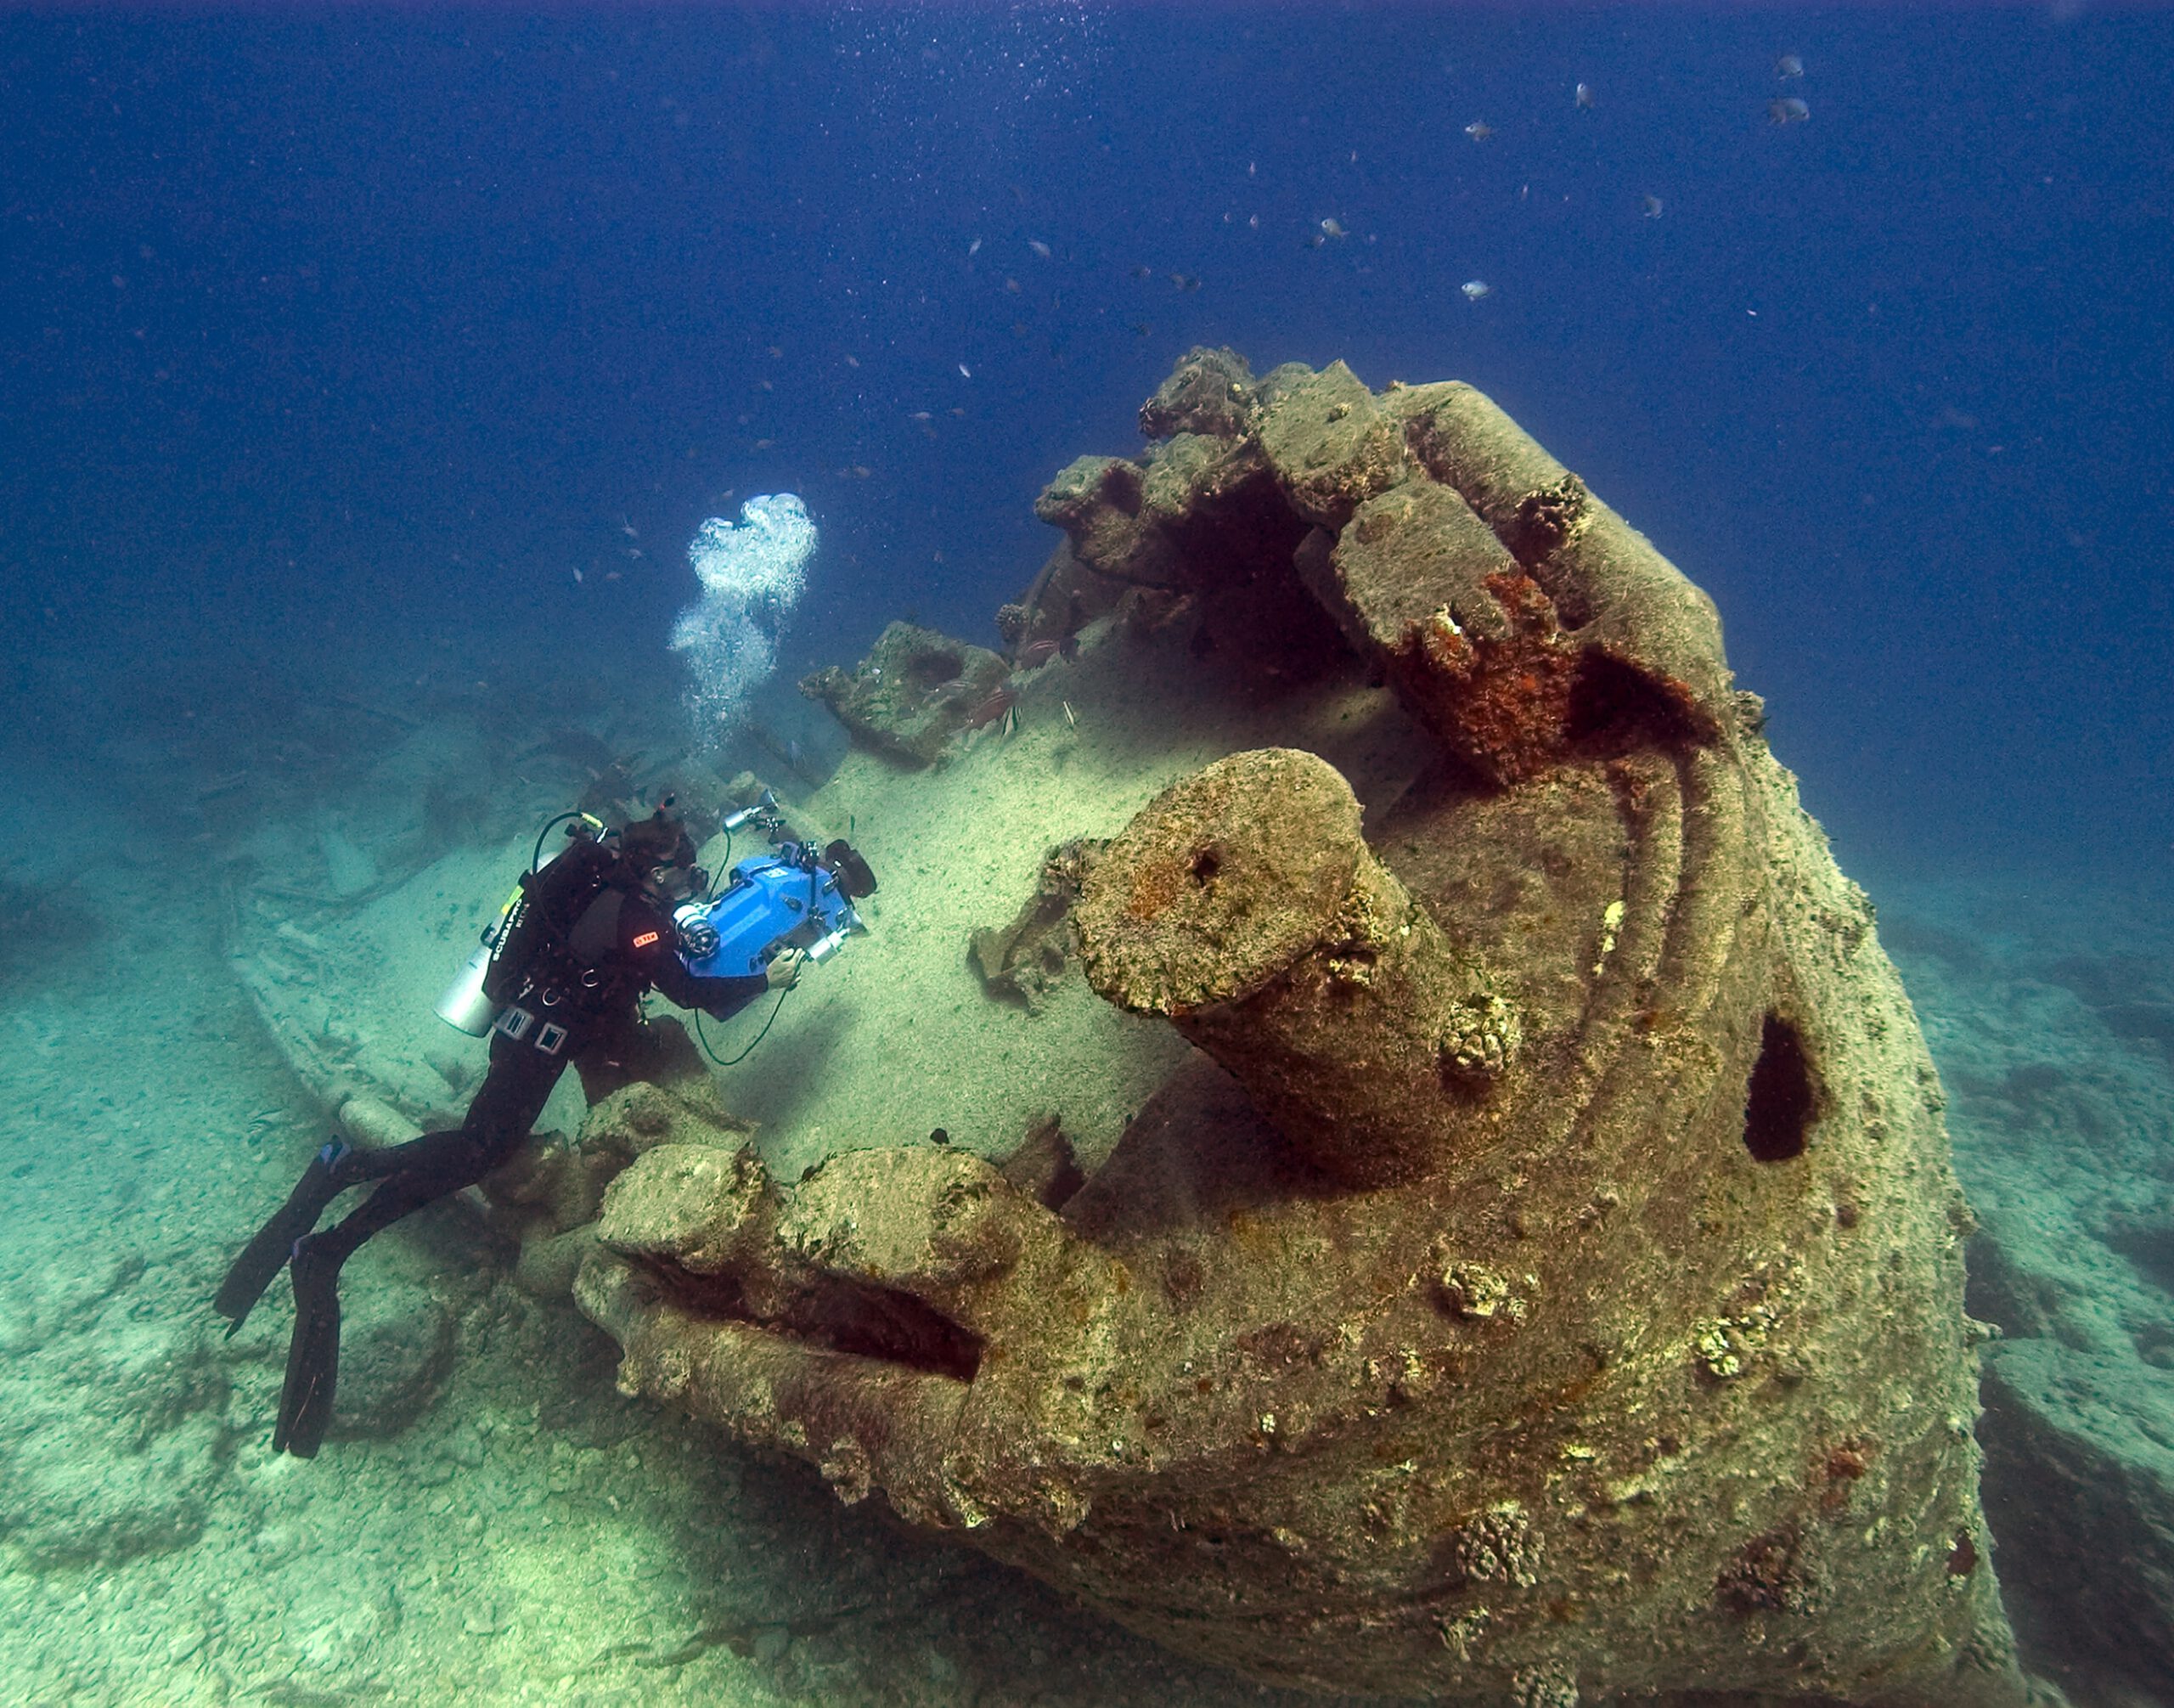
{"x": 676, "y": 884}
{"x": 660, "y": 856}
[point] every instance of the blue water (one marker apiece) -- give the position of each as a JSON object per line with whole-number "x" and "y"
{"x": 378, "y": 353}
{"x": 365, "y": 327}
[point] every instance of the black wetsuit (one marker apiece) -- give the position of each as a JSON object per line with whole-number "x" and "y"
{"x": 595, "y": 943}
{"x": 584, "y": 946}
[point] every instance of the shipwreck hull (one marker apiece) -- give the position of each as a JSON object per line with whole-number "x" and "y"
{"x": 1547, "y": 1281}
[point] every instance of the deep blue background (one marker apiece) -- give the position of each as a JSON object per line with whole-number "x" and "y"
{"x": 349, "y": 337}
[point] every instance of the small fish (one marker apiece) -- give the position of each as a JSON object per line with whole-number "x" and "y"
{"x": 852, "y": 361}
{"x": 626, "y": 529}
{"x": 1184, "y": 281}
{"x": 1331, "y": 228}
{"x": 1010, "y": 727}
{"x": 1011, "y": 285}
{"x": 1143, "y": 271}
{"x": 965, "y": 372}
{"x": 1474, "y": 289}
{"x": 1586, "y": 95}
{"x": 1789, "y": 65}
{"x": 577, "y": 578}
{"x": 1788, "y": 110}
{"x": 632, "y": 550}
{"x": 991, "y": 709}
{"x": 778, "y": 352}
{"x": 1315, "y": 240}
{"x": 1038, "y": 247}
{"x": 1037, "y": 654}
{"x": 1141, "y": 329}
{"x": 920, "y": 415}
{"x": 1478, "y": 131}
{"x": 974, "y": 248}
{"x": 1652, "y": 207}
{"x": 1070, "y": 717}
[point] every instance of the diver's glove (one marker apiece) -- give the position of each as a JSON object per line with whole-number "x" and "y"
{"x": 784, "y": 972}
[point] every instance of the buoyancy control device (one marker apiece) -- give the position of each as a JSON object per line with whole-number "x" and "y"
{"x": 478, "y": 994}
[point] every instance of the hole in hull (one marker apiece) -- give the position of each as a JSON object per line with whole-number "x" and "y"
{"x": 853, "y": 1317}
{"x": 1780, "y": 1107}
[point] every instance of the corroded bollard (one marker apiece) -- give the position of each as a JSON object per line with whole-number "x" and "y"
{"x": 1243, "y": 904}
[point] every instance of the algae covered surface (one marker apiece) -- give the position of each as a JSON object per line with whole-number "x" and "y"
{"x": 526, "y": 1533}
{"x": 493, "y": 1521}
{"x": 1368, "y": 1143}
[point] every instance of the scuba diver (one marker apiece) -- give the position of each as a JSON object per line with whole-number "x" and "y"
{"x": 583, "y": 940}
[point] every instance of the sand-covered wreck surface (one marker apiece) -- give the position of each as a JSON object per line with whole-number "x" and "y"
{"x": 1367, "y": 1140}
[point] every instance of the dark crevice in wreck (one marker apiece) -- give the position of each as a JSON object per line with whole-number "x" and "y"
{"x": 854, "y": 1317}
{"x": 1781, "y": 1103}
{"x": 1616, "y": 707}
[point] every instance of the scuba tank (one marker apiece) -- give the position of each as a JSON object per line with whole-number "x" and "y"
{"x": 465, "y": 1006}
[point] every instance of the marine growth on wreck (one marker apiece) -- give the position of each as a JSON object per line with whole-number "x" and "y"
{"x": 1446, "y": 1196}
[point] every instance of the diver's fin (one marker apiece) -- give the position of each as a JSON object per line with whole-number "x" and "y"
{"x": 312, "y": 1357}
{"x": 266, "y": 1255}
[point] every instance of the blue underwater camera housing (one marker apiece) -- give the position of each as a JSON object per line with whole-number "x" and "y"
{"x": 796, "y": 896}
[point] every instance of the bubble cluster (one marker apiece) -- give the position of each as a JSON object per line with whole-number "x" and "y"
{"x": 751, "y": 571}
{"x": 999, "y": 57}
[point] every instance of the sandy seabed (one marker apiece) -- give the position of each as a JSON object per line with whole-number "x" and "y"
{"x": 533, "y": 1536}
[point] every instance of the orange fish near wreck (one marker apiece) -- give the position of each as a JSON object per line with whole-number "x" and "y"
{"x": 991, "y": 709}
{"x": 1039, "y": 652}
